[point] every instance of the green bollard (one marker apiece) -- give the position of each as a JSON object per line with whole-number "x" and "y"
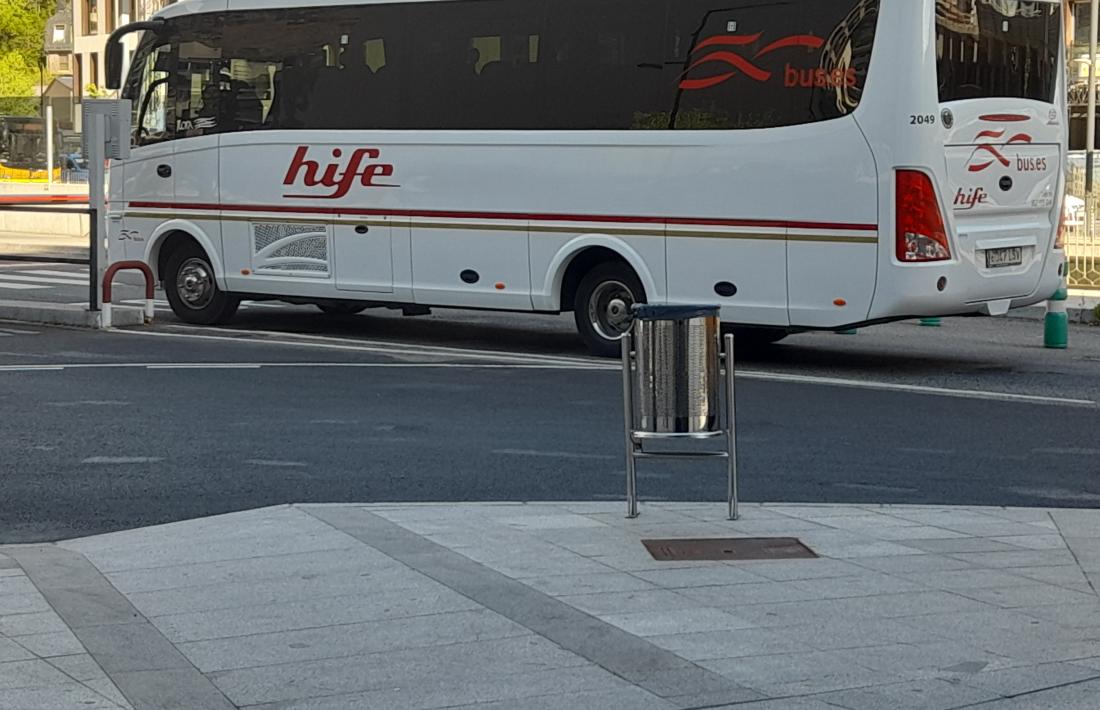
{"x": 930, "y": 322}
{"x": 1056, "y": 324}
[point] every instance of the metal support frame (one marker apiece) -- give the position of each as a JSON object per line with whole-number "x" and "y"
{"x": 635, "y": 439}
{"x": 47, "y": 205}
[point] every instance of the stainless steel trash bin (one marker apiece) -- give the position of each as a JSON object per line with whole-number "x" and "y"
{"x": 677, "y": 354}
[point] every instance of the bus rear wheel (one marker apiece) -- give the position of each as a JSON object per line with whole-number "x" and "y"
{"x": 192, "y": 289}
{"x": 602, "y": 306}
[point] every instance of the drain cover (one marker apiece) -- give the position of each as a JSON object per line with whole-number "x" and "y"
{"x": 729, "y": 548}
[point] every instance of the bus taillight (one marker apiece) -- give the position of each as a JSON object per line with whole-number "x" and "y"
{"x": 920, "y": 235}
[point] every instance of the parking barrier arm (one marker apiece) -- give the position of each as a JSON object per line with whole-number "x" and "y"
{"x": 108, "y": 277}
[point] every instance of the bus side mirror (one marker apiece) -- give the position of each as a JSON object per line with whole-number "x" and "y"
{"x": 114, "y": 64}
{"x": 114, "y": 48}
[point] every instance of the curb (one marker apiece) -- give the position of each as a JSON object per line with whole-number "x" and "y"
{"x": 46, "y": 251}
{"x": 1081, "y": 315}
{"x": 66, "y": 314}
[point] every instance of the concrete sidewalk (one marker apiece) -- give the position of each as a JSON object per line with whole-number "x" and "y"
{"x": 558, "y": 605}
{"x": 47, "y": 246}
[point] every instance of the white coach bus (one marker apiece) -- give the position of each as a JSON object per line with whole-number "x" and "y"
{"x": 806, "y": 164}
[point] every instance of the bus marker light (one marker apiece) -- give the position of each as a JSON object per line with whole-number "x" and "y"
{"x": 840, "y": 302}
{"x": 498, "y": 286}
{"x": 245, "y": 272}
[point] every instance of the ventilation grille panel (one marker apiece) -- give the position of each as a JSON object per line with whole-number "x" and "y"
{"x": 290, "y": 249}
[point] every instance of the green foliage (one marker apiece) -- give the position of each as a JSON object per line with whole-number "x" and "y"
{"x": 22, "y": 30}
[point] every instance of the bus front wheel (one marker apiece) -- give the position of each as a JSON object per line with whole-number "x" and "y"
{"x": 602, "y": 306}
{"x": 192, "y": 289}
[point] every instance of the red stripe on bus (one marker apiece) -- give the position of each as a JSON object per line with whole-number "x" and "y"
{"x": 532, "y": 216}
{"x": 44, "y": 199}
{"x": 1004, "y": 117}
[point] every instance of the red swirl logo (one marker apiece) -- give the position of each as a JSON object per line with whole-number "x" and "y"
{"x": 736, "y": 62}
{"x": 985, "y": 154}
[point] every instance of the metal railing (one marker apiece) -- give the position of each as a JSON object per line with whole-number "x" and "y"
{"x": 63, "y": 204}
{"x": 1082, "y": 227}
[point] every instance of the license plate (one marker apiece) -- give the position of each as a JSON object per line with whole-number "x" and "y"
{"x": 1009, "y": 256}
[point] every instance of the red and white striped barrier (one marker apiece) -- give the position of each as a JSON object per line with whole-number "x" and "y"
{"x": 108, "y": 277}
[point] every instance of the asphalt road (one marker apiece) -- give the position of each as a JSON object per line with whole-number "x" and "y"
{"x": 105, "y": 431}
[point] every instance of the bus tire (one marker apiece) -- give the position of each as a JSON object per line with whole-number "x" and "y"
{"x": 192, "y": 289}
{"x": 602, "y": 306}
{"x": 341, "y": 309}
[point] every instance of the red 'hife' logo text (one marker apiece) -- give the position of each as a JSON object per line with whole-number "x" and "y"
{"x": 968, "y": 199}
{"x": 337, "y": 175}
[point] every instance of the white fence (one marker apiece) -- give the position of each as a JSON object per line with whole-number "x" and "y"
{"x": 1082, "y": 225}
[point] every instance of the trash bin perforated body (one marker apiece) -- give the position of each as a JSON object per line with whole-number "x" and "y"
{"x": 677, "y": 382}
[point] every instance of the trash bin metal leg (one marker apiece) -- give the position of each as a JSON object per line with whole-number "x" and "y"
{"x": 628, "y": 428}
{"x": 731, "y": 432}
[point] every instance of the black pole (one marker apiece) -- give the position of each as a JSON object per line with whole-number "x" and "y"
{"x": 93, "y": 259}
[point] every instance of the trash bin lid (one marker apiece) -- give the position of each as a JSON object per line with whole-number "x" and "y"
{"x": 648, "y": 311}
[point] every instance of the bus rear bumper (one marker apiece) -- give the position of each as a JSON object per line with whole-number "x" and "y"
{"x": 915, "y": 292}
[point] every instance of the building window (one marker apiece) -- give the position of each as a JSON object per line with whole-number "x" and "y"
{"x": 78, "y": 76}
{"x": 91, "y": 17}
{"x": 93, "y": 69}
{"x": 58, "y": 34}
{"x": 63, "y": 64}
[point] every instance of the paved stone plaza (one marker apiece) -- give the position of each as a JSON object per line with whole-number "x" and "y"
{"x": 558, "y": 606}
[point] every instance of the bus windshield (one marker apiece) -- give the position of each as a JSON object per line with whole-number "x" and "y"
{"x": 997, "y": 49}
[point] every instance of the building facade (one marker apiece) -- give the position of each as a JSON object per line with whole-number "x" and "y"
{"x": 92, "y": 23}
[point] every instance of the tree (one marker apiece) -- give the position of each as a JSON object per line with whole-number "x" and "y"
{"x": 22, "y": 28}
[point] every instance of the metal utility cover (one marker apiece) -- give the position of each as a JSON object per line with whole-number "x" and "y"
{"x": 729, "y": 548}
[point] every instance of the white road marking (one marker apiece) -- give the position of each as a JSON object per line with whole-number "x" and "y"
{"x": 917, "y": 389}
{"x": 1067, "y": 452}
{"x": 269, "y": 462}
{"x": 307, "y": 339}
{"x": 121, "y": 459}
{"x": 389, "y": 349}
{"x": 163, "y": 305}
{"x": 30, "y": 368}
{"x": 74, "y": 274}
{"x": 19, "y": 287}
{"x": 551, "y": 454}
{"x": 16, "y": 331}
{"x": 260, "y": 365}
{"x": 44, "y": 279}
{"x": 536, "y": 362}
{"x": 90, "y": 403}
{"x": 205, "y": 366}
{"x": 528, "y": 360}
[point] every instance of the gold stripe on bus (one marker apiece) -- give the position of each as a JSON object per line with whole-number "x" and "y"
{"x": 831, "y": 238}
{"x": 494, "y": 227}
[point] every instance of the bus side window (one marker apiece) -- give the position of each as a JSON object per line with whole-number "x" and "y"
{"x": 147, "y": 88}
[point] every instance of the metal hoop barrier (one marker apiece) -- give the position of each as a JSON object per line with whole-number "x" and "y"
{"x": 108, "y": 277}
{"x": 672, "y": 390}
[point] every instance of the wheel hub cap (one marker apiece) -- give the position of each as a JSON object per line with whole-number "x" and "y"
{"x": 609, "y": 309}
{"x": 194, "y": 284}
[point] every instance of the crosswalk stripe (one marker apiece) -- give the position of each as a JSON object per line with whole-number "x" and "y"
{"x": 19, "y": 286}
{"x": 75, "y": 274}
{"x": 43, "y": 280}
